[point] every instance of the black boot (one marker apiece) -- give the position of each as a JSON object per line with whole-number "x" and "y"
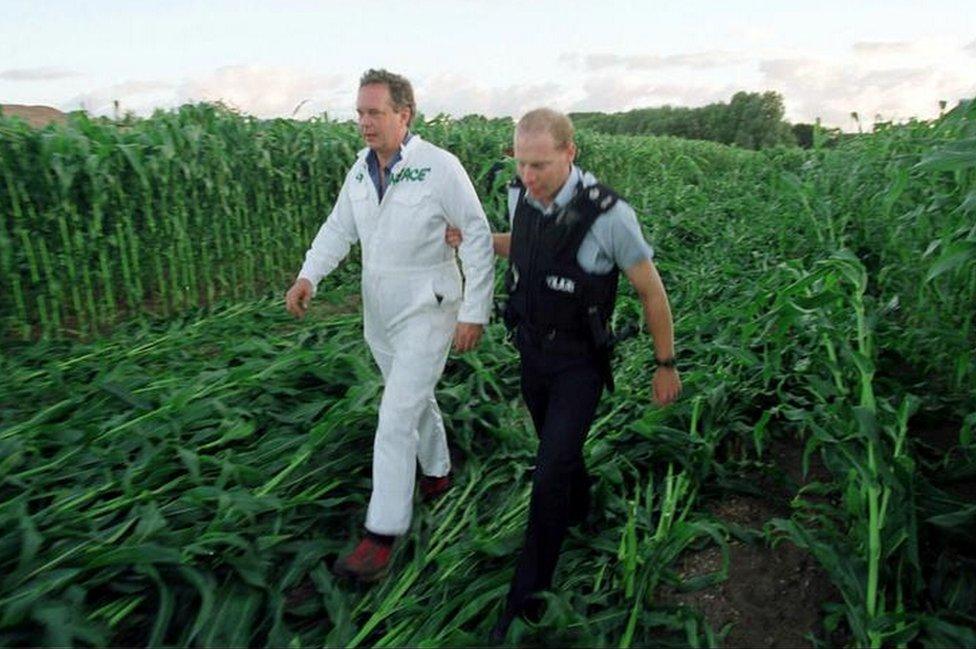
{"x": 531, "y": 611}
{"x": 500, "y": 630}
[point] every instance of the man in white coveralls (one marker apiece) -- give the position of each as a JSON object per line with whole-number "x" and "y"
{"x": 397, "y": 200}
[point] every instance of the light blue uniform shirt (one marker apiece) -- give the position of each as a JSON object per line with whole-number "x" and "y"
{"x": 615, "y": 239}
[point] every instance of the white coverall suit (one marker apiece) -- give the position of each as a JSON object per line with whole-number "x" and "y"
{"x": 412, "y": 301}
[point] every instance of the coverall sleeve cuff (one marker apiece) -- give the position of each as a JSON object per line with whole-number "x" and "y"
{"x": 312, "y": 281}
{"x": 473, "y": 315}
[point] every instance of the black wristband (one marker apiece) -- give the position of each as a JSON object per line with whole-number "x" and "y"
{"x": 666, "y": 362}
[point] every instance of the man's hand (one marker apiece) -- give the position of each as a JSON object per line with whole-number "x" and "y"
{"x": 666, "y": 385}
{"x": 452, "y": 237}
{"x": 467, "y": 336}
{"x": 296, "y": 300}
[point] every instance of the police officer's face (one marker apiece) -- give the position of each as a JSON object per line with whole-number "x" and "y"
{"x": 381, "y": 126}
{"x": 542, "y": 166}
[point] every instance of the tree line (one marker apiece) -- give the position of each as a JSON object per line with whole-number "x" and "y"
{"x": 750, "y": 120}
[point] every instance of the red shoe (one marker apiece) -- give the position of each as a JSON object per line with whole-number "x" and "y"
{"x": 431, "y": 488}
{"x": 368, "y": 562}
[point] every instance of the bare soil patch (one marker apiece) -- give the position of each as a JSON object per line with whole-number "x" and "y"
{"x": 773, "y": 596}
{"x": 36, "y": 116}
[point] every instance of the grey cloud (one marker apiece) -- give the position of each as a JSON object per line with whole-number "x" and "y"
{"x": 571, "y": 59}
{"x": 883, "y": 47}
{"x": 613, "y": 94}
{"x": 812, "y": 73}
{"x": 971, "y": 47}
{"x": 457, "y": 95}
{"x": 696, "y": 60}
{"x": 595, "y": 62}
{"x": 37, "y": 74}
{"x": 704, "y": 60}
{"x": 894, "y": 77}
{"x": 784, "y": 67}
{"x": 804, "y": 71}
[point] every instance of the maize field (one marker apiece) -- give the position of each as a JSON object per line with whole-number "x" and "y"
{"x": 177, "y": 453}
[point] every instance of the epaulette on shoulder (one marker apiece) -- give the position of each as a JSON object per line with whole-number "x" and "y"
{"x": 601, "y": 196}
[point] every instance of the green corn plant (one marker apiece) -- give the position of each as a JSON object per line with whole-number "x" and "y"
{"x": 169, "y": 482}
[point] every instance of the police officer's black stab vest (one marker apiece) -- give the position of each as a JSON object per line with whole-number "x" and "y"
{"x": 563, "y": 307}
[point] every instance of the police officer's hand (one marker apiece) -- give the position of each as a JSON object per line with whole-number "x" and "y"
{"x": 666, "y": 385}
{"x": 466, "y": 336}
{"x": 296, "y": 300}
{"x": 452, "y": 237}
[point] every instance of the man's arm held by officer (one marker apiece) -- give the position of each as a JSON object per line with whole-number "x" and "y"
{"x": 643, "y": 276}
{"x": 502, "y": 243}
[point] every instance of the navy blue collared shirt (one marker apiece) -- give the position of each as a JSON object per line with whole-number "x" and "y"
{"x": 373, "y": 164}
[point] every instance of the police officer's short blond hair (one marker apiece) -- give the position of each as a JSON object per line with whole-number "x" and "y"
{"x": 547, "y": 120}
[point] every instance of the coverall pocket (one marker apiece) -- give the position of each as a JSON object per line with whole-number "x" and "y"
{"x": 362, "y": 200}
{"x": 408, "y": 195}
{"x": 445, "y": 291}
{"x": 358, "y": 192}
{"x": 412, "y": 223}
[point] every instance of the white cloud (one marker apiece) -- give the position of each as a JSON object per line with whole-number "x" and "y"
{"x": 37, "y": 74}
{"x": 705, "y": 60}
{"x": 271, "y": 92}
{"x": 695, "y": 60}
{"x": 896, "y": 80}
{"x": 893, "y": 81}
{"x": 613, "y": 93}
{"x": 258, "y": 91}
{"x": 883, "y": 47}
{"x": 135, "y": 95}
{"x": 458, "y": 95}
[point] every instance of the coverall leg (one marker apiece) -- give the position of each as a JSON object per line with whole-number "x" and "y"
{"x": 432, "y": 450}
{"x": 410, "y": 341}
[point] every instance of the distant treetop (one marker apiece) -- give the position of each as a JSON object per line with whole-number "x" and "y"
{"x": 751, "y": 120}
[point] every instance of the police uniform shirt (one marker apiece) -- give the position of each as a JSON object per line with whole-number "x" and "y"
{"x": 614, "y": 240}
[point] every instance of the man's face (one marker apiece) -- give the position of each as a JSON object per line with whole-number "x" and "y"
{"x": 382, "y": 127}
{"x": 542, "y": 166}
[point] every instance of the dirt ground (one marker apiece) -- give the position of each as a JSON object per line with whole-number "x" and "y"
{"x": 36, "y": 116}
{"x": 938, "y": 440}
{"x": 773, "y": 595}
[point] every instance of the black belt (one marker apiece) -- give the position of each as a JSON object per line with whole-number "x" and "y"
{"x": 557, "y": 341}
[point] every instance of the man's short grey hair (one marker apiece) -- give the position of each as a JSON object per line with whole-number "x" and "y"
{"x": 401, "y": 92}
{"x": 547, "y": 120}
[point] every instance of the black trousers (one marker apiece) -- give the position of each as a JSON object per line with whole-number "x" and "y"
{"x": 562, "y": 392}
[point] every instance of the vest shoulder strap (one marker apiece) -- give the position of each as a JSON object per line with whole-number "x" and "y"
{"x": 589, "y": 204}
{"x": 599, "y": 196}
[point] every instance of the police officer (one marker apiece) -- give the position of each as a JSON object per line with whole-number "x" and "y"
{"x": 397, "y": 199}
{"x": 569, "y": 238}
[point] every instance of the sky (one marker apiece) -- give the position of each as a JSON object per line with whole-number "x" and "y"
{"x": 888, "y": 60}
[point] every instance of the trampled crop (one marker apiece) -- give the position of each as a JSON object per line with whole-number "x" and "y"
{"x": 176, "y": 453}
